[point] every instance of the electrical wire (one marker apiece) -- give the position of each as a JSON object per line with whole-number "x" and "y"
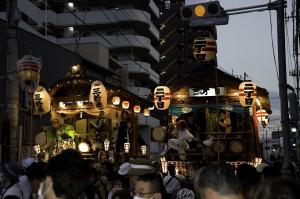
{"x": 101, "y": 36}
{"x": 272, "y": 39}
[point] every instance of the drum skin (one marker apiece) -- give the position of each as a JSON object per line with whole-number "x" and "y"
{"x": 215, "y": 146}
{"x": 236, "y": 147}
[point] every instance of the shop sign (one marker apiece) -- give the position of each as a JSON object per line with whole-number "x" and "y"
{"x": 206, "y": 92}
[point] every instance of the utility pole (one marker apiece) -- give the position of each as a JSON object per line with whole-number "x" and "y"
{"x": 283, "y": 82}
{"x": 12, "y": 85}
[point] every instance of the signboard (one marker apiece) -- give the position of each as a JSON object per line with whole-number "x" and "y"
{"x": 206, "y": 92}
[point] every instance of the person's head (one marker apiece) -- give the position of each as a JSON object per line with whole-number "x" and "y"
{"x": 36, "y": 174}
{"x": 278, "y": 188}
{"x": 118, "y": 183}
{"x": 217, "y": 182}
{"x": 222, "y": 114}
{"x": 67, "y": 176}
{"x": 11, "y": 172}
{"x": 181, "y": 124}
{"x": 56, "y": 123}
{"x": 149, "y": 186}
{"x": 172, "y": 169}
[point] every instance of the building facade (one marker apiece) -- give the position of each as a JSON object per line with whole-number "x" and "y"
{"x": 118, "y": 40}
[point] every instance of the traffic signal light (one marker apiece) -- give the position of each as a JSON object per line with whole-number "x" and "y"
{"x": 204, "y": 14}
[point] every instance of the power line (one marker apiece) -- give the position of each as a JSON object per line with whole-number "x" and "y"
{"x": 272, "y": 39}
{"x": 107, "y": 41}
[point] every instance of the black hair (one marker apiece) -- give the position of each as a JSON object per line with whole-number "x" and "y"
{"x": 278, "y": 188}
{"x": 70, "y": 174}
{"x": 172, "y": 169}
{"x": 156, "y": 182}
{"x": 121, "y": 194}
{"x": 36, "y": 170}
{"x": 219, "y": 178}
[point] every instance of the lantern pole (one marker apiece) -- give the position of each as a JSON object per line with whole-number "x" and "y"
{"x": 12, "y": 85}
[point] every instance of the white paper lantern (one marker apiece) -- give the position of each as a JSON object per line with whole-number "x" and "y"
{"x": 41, "y": 101}
{"x": 247, "y": 93}
{"x": 98, "y": 95}
{"x": 162, "y": 96}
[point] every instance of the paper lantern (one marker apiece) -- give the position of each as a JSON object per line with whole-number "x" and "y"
{"x": 247, "y": 93}
{"x": 83, "y": 147}
{"x": 126, "y": 147}
{"x": 146, "y": 112}
{"x": 263, "y": 117}
{"x": 98, "y": 95}
{"x": 106, "y": 144}
{"x": 162, "y": 97}
{"x": 125, "y": 104}
{"x": 41, "y": 101}
{"x": 137, "y": 109}
{"x": 116, "y": 100}
{"x": 28, "y": 72}
{"x": 205, "y": 49}
{"x": 144, "y": 149}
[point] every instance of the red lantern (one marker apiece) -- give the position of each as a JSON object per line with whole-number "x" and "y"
{"x": 263, "y": 117}
{"x": 247, "y": 93}
{"x": 125, "y": 105}
{"x": 162, "y": 97}
{"x": 137, "y": 109}
{"x": 28, "y": 70}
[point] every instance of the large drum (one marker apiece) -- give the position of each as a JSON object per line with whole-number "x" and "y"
{"x": 159, "y": 134}
{"x": 236, "y": 146}
{"x": 218, "y": 146}
{"x": 45, "y": 140}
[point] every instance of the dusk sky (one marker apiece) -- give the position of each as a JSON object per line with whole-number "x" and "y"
{"x": 245, "y": 45}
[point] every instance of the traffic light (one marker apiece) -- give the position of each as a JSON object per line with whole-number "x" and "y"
{"x": 204, "y": 14}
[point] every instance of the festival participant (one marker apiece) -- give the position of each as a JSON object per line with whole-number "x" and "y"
{"x": 183, "y": 135}
{"x": 149, "y": 186}
{"x": 218, "y": 182}
{"x": 68, "y": 176}
{"x": 171, "y": 181}
{"x": 11, "y": 172}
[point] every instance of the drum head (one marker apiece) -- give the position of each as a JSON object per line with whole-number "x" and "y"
{"x": 44, "y": 141}
{"x": 159, "y": 134}
{"x": 236, "y": 147}
{"x": 41, "y": 139}
{"x": 218, "y": 147}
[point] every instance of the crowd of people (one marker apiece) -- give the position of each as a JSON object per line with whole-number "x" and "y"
{"x": 69, "y": 176}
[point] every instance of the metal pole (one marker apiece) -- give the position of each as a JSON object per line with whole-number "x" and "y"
{"x": 12, "y": 86}
{"x": 283, "y": 82}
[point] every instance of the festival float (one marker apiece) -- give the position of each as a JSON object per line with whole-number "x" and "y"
{"x": 99, "y": 121}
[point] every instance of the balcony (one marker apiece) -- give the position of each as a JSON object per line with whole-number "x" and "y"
{"x": 121, "y": 43}
{"x": 99, "y": 17}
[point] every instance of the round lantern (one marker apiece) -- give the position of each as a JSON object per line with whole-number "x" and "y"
{"x": 162, "y": 97}
{"x": 41, "y": 101}
{"x": 28, "y": 72}
{"x": 146, "y": 112}
{"x": 263, "y": 117}
{"x": 205, "y": 49}
{"x": 98, "y": 95}
{"x": 116, "y": 100}
{"x": 137, "y": 109}
{"x": 125, "y": 104}
{"x": 247, "y": 93}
